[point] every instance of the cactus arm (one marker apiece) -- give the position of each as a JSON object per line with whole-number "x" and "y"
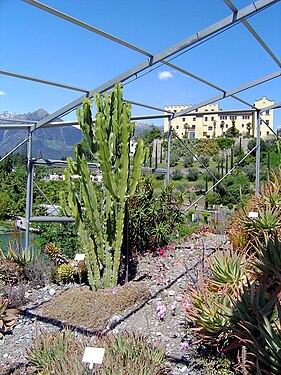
{"x": 137, "y": 163}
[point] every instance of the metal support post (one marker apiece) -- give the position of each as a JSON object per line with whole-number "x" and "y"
{"x": 169, "y": 151}
{"x": 28, "y": 208}
{"x": 258, "y": 152}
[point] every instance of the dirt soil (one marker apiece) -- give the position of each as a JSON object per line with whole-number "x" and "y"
{"x": 161, "y": 318}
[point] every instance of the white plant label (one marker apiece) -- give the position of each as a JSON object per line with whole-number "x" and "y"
{"x": 93, "y": 355}
{"x": 79, "y": 257}
{"x": 253, "y": 214}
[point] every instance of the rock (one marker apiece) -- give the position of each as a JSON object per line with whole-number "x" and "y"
{"x": 52, "y": 292}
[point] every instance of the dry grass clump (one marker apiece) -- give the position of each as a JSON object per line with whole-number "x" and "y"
{"x": 60, "y": 353}
{"x": 92, "y": 310}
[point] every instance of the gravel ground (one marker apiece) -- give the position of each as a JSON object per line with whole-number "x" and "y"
{"x": 168, "y": 277}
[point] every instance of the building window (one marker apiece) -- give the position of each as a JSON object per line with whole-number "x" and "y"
{"x": 193, "y": 127}
{"x": 226, "y": 126}
{"x": 177, "y": 127}
{"x": 183, "y": 119}
{"x": 212, "y": 118}
{"x": 267, "y": 122}
{"x": 267, "y": 133}
{"x": 223, "y": 117}
{"x": 210, "y": 128}
{"x": 244, "y": 117}
{"x": 206, "y": 118}
{"x": 175, "y": 110}
{"x": 260, "y": 122}
{"x": 233, "y": 117}
{"x": 243, "y": 125}
{"x": 267, "y": 112}
{"x": 194, "y": 118}
{"x": 192, "y": 135}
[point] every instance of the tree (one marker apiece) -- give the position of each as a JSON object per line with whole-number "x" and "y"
{"x": 249, "y": 128}
{"x": 213, "y": 198}
{"x": 225, "y": 143}
{"x": 232, "y": 131}
{"x": 4, "y": 204}
{"x": 214, "y": 125}
{"x": 150, "y": 134}
{"x": 222, "y": 127}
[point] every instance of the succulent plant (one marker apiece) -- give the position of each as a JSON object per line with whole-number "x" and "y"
{"x": 210, "y": 312}
{"x": 228, "y": 269}
{"x": 10, "y": 271}
{"x": 64, "y": 273}
{"x": 55, "y": 253}
{"x": 108, "y": 137}
{"x": 8, "y": 317}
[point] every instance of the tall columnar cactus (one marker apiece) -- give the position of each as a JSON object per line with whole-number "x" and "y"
{"x": 109, "y": 142}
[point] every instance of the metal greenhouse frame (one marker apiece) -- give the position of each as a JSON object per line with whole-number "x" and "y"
{"x": 151, "y": 62}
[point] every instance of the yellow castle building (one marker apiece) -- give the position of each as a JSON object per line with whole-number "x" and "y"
{"x": 210, "y": 121}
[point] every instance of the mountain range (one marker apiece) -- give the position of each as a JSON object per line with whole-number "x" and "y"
{"x": 48, "y": 143}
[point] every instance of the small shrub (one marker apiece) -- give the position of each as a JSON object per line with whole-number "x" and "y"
{"x": 40, "y": 272}
{"x": 230, "y": 206}
{"x": 188, "y": 161}
{"x": 17, "y": 296}
{"x": 177, "y": 175}
{"x": 10, "y": 272}
{"x": 192, "y": 174}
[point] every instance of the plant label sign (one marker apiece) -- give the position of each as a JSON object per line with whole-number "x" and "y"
{"x": 93, "y": 356}
{"x": 253, "y": 214}
{"x": 79, "y": 257}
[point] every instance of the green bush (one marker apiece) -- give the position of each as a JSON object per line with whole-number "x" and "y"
{"x": 192, "y": 174}
{"x": 64, "y": 235}
{"x": 188, "y": 161}
{"x": 176, "y": 175}
{"x": 154, "y": 215}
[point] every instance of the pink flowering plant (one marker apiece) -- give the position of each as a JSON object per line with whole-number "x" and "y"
{"x": 161, "y": 310}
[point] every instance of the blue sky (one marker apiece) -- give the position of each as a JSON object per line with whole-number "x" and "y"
{"x": 39, "y": 44}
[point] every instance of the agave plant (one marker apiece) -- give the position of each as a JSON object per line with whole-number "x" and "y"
{"x": 8, "y": 317}
{"x": 256, "y": 326}
{"x": 269, "y": 257}
{"x": 210, "y": 312}
{"x": 228, "y": 268}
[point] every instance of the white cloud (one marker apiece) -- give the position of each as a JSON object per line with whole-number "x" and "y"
{"x": 2, "y": 93}
{"x": 165, "y": 75}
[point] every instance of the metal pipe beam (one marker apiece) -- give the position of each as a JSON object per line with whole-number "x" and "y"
{"x": 14, "y": 149}
{"x": 86, "y": 26}
{"x": 169, "y": 151}
{"x": 254, "y": 33}
{"x": 204, "y": 81}
{"x": 244, "y": 87}
{"x": 51, "y": 219}
{"x": 220, "y": 180}
{"x": 40, "y": 80}
{"x": 28, "y": 207}
{"x": 226, "y": 22}
{"x": 258, "y": 152}
{"x": 17, "y": 120}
